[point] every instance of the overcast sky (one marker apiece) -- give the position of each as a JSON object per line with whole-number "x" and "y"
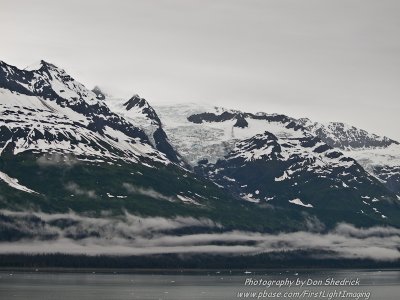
{"x": 331, "y": 60}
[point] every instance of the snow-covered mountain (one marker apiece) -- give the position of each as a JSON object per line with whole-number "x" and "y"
{"x": 139, "y": 112}
{"x": 343, "y": 136}
{"x": 270, "y": 158}
{"x": 80, "y": 148}
{"x": 189, "y": 158}
{"x": 383, "y": 163}
{"x": 43, "y": 109}
{"x": 378, "y": 155}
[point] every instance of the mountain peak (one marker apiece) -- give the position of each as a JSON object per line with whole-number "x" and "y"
{"x": 4, "y": 65}
{"x": 136, "y": 101}
{"x": 47, "y": 64}
{"x": 304, "y": 121}
{"x": 141, "y": 104}
{"x": 343, "y": 136}
{"x": 50, "y": 67}
{"x": 99, "y": 93}
{"x": 40, "y": 65}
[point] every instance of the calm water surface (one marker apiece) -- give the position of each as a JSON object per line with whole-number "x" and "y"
{"x": 381, "y": 285}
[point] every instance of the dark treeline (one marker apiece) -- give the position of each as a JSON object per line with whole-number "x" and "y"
{"x": 297, "y": 259}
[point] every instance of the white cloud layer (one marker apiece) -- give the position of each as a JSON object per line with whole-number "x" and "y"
{"x": 134, "y": 235}
{"x": 77, "y": 190}
{"x": 57, "y": 160}
{"x": 149, "y": 192}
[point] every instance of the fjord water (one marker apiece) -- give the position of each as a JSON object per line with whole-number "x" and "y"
{"x": 216, "y": 285}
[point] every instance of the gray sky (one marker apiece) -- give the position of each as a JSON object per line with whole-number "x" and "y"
{"x": 332, "y": 60}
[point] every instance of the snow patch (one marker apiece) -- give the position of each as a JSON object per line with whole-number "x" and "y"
{"x": 297, "y": 201}
{"x": 13, "y": 182}
{"x": 283, "y": 177}
{"x": 249, "y": 197}
{"x": 229, "y": 178}
{"x": 186, "y": 199}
